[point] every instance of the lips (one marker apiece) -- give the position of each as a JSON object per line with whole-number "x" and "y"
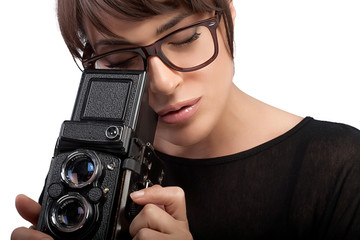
{"x": 179, "y": 112}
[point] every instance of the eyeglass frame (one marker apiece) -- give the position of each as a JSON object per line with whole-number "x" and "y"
{"x": 154, "y": 49}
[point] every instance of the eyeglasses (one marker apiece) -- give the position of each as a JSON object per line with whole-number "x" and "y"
{"x": 186, "y": 49}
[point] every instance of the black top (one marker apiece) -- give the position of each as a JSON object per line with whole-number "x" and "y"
{"x": 304, "y": 184}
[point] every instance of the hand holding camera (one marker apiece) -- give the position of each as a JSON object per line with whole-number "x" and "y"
{"x": 164, "y": 214}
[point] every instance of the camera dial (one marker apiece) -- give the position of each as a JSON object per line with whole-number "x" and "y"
{"x": 113, "y": 132}
{"x": 80, "y": 168}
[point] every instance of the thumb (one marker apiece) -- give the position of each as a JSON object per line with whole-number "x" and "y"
{"x": 172, "y": 198}
{"x": 28, "y": 208}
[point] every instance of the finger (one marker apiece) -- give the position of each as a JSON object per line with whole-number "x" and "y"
{"x": 173, "y": 199}
{"x": 153, "y": 217}
{"x": 24, "y": 233}
{"x": 149, "y": 234}
{"x": 28, "y": 208}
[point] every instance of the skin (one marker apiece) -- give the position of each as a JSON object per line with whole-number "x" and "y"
{"x": 227, "y": 121}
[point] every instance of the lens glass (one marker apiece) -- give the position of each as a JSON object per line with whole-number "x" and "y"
{"x": 123, "y": 61}
{"x": 71, "y": 213}
{"x": 190, "y": 47}
{"x": 79, "y": 169}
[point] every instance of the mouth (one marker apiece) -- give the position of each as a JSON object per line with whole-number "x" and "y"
{"x": 179, "y": 112}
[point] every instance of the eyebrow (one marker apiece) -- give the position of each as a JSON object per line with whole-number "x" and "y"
{"x": 163, "y": 28}
{"x": 109, "y": 42}
{"x": 173, "y": 22}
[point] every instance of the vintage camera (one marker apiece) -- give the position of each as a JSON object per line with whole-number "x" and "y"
{"x": 102, "y": 154}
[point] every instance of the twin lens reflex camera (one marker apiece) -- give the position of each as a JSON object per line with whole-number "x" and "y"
{"x": 102, "y": 155}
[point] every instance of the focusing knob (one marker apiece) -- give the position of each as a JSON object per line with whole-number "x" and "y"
{"x": 133, "y": 209}
{"x": 95, "y": 195}
{"x": 55, "y": 190}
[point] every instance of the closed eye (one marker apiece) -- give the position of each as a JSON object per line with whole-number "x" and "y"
{"x": 124, "y": 63}
{"x": 193, "y": 38}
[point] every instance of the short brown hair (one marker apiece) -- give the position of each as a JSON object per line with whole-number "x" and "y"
{"x": 72, "y": 12}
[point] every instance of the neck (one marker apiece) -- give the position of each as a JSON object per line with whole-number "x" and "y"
{"x": 246, "y": 123}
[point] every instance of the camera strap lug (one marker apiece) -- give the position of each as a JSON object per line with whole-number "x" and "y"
{"x": 132, "y": 164}
{"x": 139, "y": 153}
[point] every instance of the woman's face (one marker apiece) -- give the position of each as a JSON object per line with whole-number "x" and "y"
{"x": 190, "y": 105}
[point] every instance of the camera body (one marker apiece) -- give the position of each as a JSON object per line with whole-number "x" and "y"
{"x": 102, "y": 155}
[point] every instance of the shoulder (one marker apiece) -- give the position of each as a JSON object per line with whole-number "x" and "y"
{"x": 331, "y": 143}
{"x": 331, "y": 156}
{"x": 333, "y": 127}
{"x": 328, "y": 183}
{"x": 331, "y": 136}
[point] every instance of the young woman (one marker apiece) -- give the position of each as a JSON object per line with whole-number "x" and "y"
{"x": 236, "y": 168}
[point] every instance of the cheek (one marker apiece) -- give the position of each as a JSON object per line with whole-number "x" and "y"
{"x": 218, "y": 82}
{"x": 214, "y": 87}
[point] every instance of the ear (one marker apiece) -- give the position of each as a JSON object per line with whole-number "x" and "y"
{"x": 232, "y": 10}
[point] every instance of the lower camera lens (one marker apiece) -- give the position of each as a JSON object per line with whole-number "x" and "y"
{"x": 80, "y": 168}
{"x": 70, "y": 213}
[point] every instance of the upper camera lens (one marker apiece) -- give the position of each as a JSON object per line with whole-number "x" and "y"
{"x": 80, "y": 168}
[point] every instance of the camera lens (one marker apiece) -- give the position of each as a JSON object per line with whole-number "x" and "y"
{"x": 80, "y": 168}
{"x": 70, "y": 213}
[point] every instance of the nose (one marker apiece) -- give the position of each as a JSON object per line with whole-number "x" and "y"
{"x": 163, "y": 80}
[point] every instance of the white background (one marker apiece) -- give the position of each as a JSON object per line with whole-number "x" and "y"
{"x": 301, "y": 56}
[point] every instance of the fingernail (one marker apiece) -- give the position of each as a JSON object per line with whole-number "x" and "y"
{"x": 137, "y": 194}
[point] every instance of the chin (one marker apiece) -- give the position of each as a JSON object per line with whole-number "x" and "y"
{"x": 171, "y": 140}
